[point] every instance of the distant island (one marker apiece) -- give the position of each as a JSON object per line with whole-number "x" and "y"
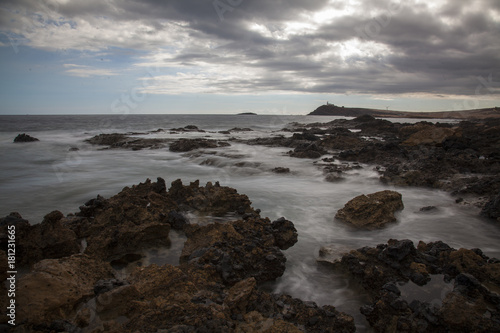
{"x": 334, "y": 110}
{"x": 247, "y": 114}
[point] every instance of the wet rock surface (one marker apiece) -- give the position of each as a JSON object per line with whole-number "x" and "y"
{"x": 467, "y": 300}
{"x": 118, "y": 140}
{"x": 184, "y": 145}
{"x": 371, "y": 211}
{"x": 24, "y": 138}
{"x": 215, "y": 288}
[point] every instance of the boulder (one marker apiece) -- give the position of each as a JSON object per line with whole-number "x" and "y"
{"x": 24, "y": 138}
{"x": 371, "y": 211}
{"x": 284, "y": 232}
{"x": 281, "y": 170}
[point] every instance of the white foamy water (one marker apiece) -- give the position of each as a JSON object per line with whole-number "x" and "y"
{"x": 38, "y": 177}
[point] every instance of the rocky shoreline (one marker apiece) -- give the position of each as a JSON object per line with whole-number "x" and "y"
{"x": 71, "y": 287}
{"x": 72, "y": 278}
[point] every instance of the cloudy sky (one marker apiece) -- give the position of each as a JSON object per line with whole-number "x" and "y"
{"x": 264, "y": 56}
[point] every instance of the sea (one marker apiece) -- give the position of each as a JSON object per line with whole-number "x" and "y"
{"x": 62, "y": 172}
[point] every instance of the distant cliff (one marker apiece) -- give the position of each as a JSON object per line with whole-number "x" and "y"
{"x": 334, "y": 110}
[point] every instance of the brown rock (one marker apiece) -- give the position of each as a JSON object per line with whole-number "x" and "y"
{"x": 55, "y": 287}
{"x": 46, "y": 240}
{"x": 371, "y": 211}
{"x": 239, "y": 294}
{"x": 429, "y": 135}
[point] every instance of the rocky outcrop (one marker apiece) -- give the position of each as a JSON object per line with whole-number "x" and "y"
{"x": 184, "y": 145}
{"x": 46, "y": 240}
{"x": 371, "y": 211}
{"x": 24, "y": 138}
{"x": 240, "y": 249}
{"x": 118, "y": 140}
{"x": 466, "y": 300}
{"x": 427, "y": 134}
{"x": 214, "y": 289}
{"x": 212, "y": 199}
{"x": 308, "y": 150}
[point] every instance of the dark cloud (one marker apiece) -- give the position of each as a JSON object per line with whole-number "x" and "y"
{"x": 402, "y": 47}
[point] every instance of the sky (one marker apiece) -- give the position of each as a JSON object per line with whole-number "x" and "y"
{"x": 232, "y": 56}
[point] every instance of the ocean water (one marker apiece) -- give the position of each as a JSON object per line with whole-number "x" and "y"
{"x": 38, "y": 177}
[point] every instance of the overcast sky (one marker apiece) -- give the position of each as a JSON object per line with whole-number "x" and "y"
{"x": 264, "y": 56}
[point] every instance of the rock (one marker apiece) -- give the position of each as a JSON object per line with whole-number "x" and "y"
{"x": 118, "y": 140}
{"x": 307, "y": 150}
{"x": 281, "y": 170}
{"x": 46, "y": 240}
{"x": 372, "y": 210}
{"x": 55, "y": 287}
{"x": 429, "y": 135}
{"x": 24, "y": 138}
{"x": 135, "y": 218}
{"x": 116, "y": 302}
{"x": 284, "y": 233}
{"x": 239, "y": 129}
{"x": 176, "y": 220}
{"x": 428, "y": 209}
{"x": 211, "y": 199}
{"x": 214, "y": 289}
{"x": 492, "y": 208}
{"x": 184, "y": 145}
{"x": 239, "y": 250}
{"x": 464, "y": 307}
{"x": 188, "y": 128}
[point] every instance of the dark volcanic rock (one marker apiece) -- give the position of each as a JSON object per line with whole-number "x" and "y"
{"x": 213, "y": 290}
{"x": 469, "y": 304}
{"x": 183, "y": 145}
{"x": 46, "y": 240}
{"x": 24, "y": 138}
{"x": 281, "y": 170}
{"x": 308, "y": 150}
{"x": 372, "y": 210}
{"x": 237, "y": 250}
{"x": 284, "y": 233}
{"x": 117, "y": 140}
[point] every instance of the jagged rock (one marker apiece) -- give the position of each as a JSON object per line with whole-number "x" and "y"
{"x": 24, "y": 138}
{"x": 214, "y": 288}
{"x": 372, "y": 210}
{"x": 46, "y": 240}
{"x": 54, "y": 288}
{"x": 463, "y": 307}
{"x": 240, "y": 249}
{"x": 184, "y": 145}
{"x": 211, "y": 199}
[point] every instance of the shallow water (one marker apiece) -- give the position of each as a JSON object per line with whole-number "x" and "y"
{"x": 39, "y": 177}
